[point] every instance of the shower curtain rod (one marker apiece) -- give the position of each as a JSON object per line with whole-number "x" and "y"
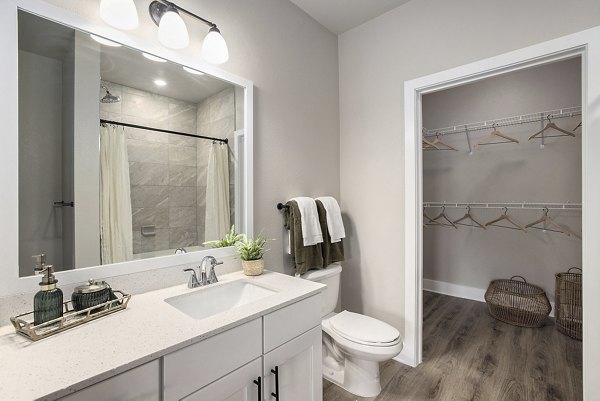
{"x": 224, "y": 140}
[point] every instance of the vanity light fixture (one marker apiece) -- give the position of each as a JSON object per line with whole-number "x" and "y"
{"x": 121, "y": 14}
{"x": 153, "y": 57}
{"x": 192, "y": 71}
{"x": 104, "y": 41}
{"x": 172, "y": 31}
{"x": 160, "y": 82}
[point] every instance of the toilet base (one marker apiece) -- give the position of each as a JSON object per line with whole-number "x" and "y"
{"x": 358, "y": 377}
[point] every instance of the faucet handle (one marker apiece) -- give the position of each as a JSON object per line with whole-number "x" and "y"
{"x": 193, "y": 281}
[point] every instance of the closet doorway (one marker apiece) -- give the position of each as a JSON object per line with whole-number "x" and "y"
{"x": 583, "y": 47}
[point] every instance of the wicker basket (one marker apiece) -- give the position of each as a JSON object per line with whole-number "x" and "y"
{"x": 517, "y": 302}
{"x": 568, "y": 307}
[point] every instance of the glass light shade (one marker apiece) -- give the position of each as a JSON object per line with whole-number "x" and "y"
{"x": 214, "y": 48}
{"x": 104, "y": 42}
{"x": 172, "y": 31}
{"x": 121, "y": 14}
{"x": 153, "y": 57}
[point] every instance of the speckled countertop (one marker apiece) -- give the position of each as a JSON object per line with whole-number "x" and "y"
{"x": 148, "y": 329}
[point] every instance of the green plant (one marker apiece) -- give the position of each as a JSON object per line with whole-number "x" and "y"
{"x": 251, "y": 249}
{"x": 230, "y": 239}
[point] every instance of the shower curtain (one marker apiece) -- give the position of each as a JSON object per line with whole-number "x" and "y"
{"x": 116, "y": 240}
{"x": 217, "y": 193}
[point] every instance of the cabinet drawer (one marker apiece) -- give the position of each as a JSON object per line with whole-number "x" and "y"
{"x": 193, "y": 367}
{"x": 289, "y": 322}
{"x": 138, "y": 384}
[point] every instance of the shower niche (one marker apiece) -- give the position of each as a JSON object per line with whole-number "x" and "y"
{"x": 122, "y": 155}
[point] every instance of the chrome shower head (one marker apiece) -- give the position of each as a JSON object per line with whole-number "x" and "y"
{"x": 109, "y": 97}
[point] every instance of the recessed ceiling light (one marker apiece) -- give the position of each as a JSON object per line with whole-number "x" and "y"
{"x": 154, "y": 58}
{"x": 192, "y": 71}
{"x": 159, "y": 82}
{"x": 104, "y": 42}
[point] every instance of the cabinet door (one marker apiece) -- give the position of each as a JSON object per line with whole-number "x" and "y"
{"x": 138, "y": 384}
{"x": 297, "y": 364}
{"x": 242, "y": 384}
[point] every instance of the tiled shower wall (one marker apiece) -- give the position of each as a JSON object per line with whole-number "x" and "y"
{"x": 167, "y": 172}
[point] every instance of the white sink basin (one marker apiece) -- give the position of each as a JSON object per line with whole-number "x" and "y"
{"x": 208, "y": 301}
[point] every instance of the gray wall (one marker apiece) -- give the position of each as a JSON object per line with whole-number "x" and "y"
{"x": 293, "y": 63}
{"x": 375, "y": 59}
{"x": 504, "y": 173}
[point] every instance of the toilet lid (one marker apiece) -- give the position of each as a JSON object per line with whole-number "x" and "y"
{"x": 363, "y": 329}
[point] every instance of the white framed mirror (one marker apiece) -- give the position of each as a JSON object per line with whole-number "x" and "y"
{"x": 118, "y": 155}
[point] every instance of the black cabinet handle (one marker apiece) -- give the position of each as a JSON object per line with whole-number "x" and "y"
{"x": 276, "y": 373}
{"x": 258, "y": 383}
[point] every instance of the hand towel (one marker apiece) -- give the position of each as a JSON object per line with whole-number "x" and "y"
{"x": 334, "y": 218}
{"x": 309, "y": 218}
{"x": 303, "y": 257}
{"x": 332, "y": 252}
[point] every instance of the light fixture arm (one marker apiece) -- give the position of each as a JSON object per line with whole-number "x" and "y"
{"x": 158, "y": 7}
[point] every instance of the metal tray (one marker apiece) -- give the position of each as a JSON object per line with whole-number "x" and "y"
{"x": 71, "y": 318}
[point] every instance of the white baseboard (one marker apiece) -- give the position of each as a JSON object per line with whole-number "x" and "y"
{"x": 405, "y": 359}
{"x": 455, "y": 290}
{"x": 459, "y": 291}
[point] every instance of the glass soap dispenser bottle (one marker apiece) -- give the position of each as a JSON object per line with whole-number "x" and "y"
{"x": 48, "y": 301}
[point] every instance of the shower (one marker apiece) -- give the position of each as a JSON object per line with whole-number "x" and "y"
{"x": 109, "y": 97}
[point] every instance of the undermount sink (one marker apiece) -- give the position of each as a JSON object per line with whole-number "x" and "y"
{"x": 208, "y": 301}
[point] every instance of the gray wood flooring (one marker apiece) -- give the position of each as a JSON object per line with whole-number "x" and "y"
{"x": 468, "y": 355}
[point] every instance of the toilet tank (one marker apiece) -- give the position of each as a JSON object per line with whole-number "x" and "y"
{"x": 330, "y": 276}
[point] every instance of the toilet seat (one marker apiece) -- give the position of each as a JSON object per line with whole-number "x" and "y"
{"x": 364, "y": 330}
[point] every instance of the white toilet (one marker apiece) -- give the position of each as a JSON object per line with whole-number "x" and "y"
{"x": 353, "y": 344}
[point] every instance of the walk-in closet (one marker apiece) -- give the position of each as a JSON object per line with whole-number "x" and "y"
{"x": 502, "y": 193}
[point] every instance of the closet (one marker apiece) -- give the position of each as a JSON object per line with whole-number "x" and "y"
{"x": 502, "y": 180}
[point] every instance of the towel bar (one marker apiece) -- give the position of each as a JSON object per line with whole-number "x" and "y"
{"x": 281, "y": 206}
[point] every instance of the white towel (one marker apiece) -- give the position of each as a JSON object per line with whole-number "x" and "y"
{"x": 309, "y": 218}
{"x": 334, "y": 218}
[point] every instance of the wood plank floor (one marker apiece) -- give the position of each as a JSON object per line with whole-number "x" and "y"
{"x": 470, "y": 356}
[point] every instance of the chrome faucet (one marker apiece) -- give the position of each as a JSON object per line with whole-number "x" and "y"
{"x": 205, "y": 278}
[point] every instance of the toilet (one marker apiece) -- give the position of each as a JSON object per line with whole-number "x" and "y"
{"x": 353, "y": 344}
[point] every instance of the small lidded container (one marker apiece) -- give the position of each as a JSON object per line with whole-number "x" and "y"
{"x": 91, "y": 294}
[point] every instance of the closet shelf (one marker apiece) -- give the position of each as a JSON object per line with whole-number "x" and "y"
{"x": 503, "y": 122}
{"x": 509, "y": 205}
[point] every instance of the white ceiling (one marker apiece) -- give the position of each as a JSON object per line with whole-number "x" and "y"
{"x": 341, "y": 15}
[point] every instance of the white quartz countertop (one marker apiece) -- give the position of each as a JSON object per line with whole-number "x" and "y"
{"x": 148, "y": 329}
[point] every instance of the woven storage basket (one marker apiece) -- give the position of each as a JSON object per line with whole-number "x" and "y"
{"x": 568, "y": 307}
{"x": 517, "y": 302}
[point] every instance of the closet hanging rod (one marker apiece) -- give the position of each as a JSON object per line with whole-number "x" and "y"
{"x": 509, "y": 205}
{"x": 504, "y": 122}
{"x": 166, "y": 131}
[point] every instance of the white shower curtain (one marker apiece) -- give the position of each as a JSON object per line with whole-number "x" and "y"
{"x": 217, "y": 193}
{"x": 115, "y": 197}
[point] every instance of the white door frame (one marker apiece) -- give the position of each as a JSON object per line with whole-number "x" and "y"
{"x": 587, "y": 45}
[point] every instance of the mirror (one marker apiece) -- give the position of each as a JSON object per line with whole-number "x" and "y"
{"x": 122, "y": 155}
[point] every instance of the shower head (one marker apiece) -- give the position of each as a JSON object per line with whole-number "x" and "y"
{"x": 109, "y": 97}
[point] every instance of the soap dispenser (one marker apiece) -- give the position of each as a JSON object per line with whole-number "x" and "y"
{"x": 48, "y": 302}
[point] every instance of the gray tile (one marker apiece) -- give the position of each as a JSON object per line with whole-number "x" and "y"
{"x": 201, "y": 196}
{"x": 159, "y": 242}
{"x": 149, "y": 195}
{"x": 180, "y": 140}
{"x": 200, "y": 230}
{"x": 182, "y": 176}
{"x": 148, "y": 173}
{"x": 146, "y": 216}
{"x": 137, "y": 241}
{"x": 222, "y": 105}
{"x": 148, "y": 152}
{"x": 182, "y": 118}
{"x": 182, "y": 155}
{"x": 146, "y": 135}
{"x": 182, "y": 237}
{"x": 182, "y": 196}
{"x": 142, "y": 104}
{"x": 203, "y": 112}
{"x": 182, "y": 217}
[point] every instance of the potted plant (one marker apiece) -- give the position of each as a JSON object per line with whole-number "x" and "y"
{"x": 251, "y": 252}
{"x": 230, "y": 239}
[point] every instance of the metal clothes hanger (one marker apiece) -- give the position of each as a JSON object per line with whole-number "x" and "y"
{"x": 506, "y": 217}
{"x": 443, "y": 215}
{"x": 468, "y": 216}
{"x": 553, "y": 126}
{"x": 430, "y": 220}
{"x": 438, "y": 142}
{"x": 495, "y": 134}
{"x": 548, "y": 221}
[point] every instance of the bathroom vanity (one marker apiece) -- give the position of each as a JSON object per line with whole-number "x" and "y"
{"x": 266, "y": 340}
